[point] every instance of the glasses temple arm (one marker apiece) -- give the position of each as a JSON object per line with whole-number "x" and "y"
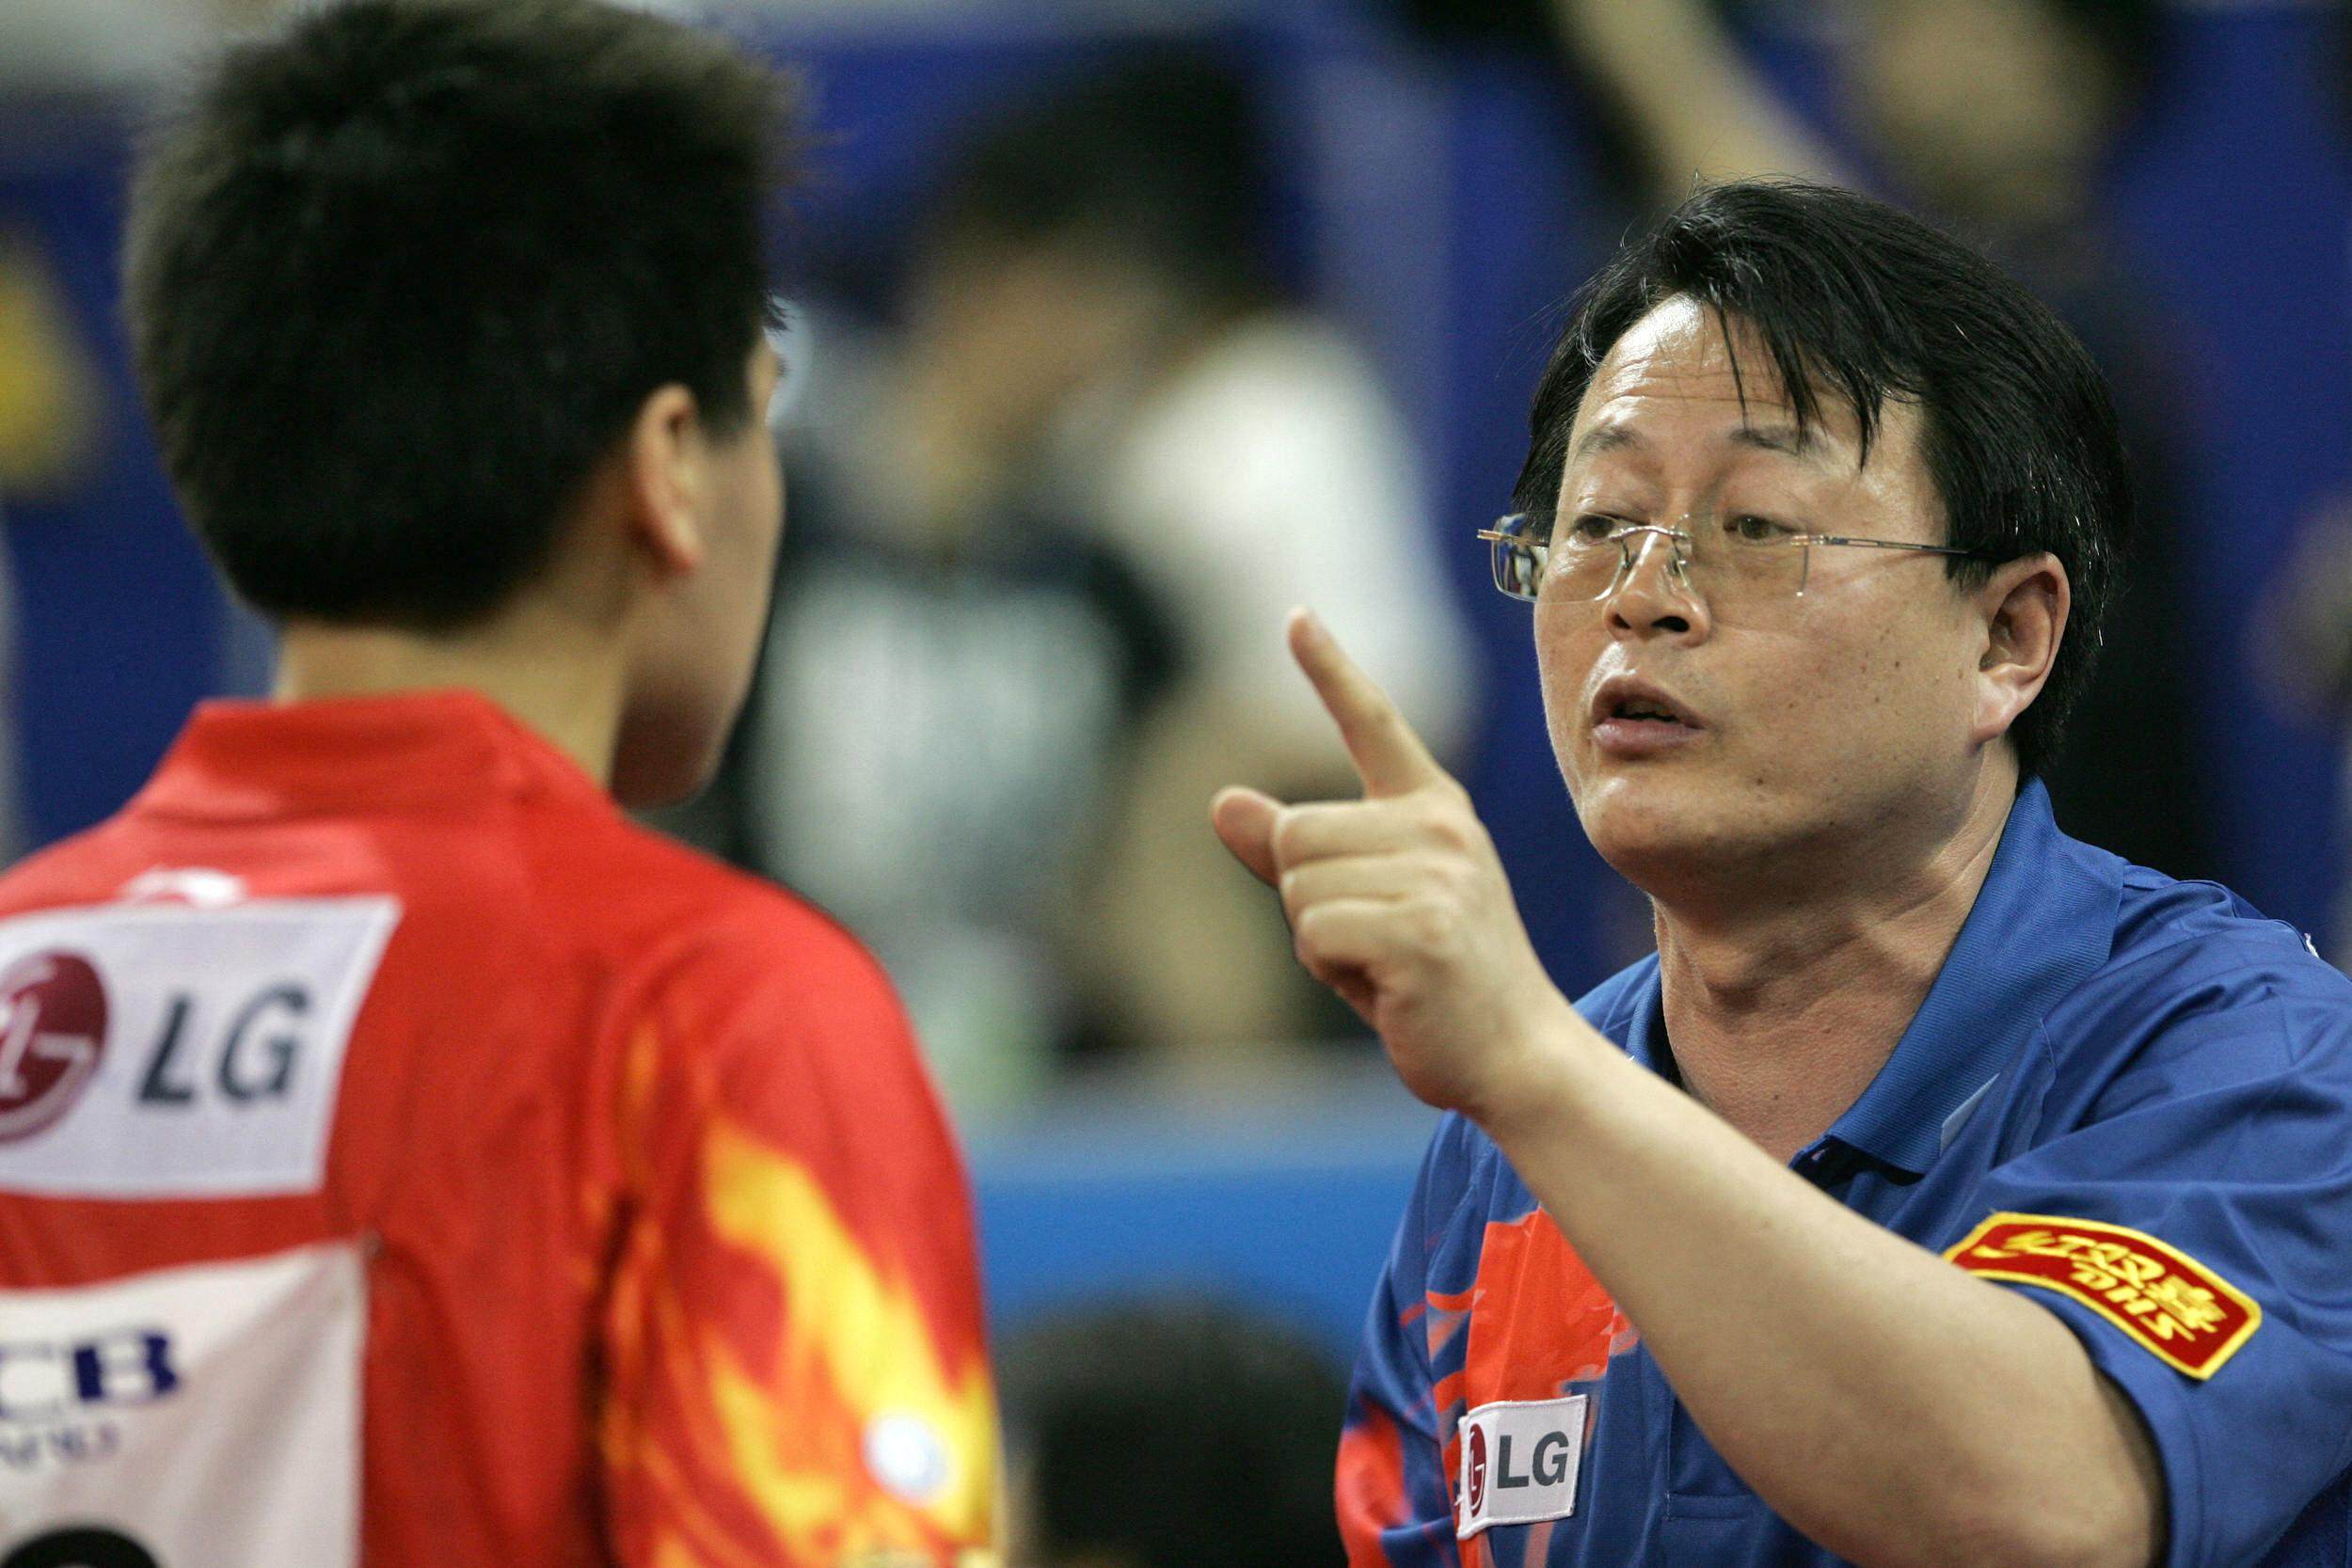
{"x": 1892, "y": 544}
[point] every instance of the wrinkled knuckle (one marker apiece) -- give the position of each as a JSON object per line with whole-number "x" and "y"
{"x": 1306, "y": 928}
{"x": 1449, "y": 826}
{"x": 1429, "y": 924}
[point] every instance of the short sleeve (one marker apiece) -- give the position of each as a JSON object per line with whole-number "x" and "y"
{"x": 2217, "y": 1166}
{"x": 1394, "y": 1507}
{"x": 795, "y": 1370}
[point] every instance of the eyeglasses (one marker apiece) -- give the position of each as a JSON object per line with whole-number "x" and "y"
{"x": 1747, "y": 558}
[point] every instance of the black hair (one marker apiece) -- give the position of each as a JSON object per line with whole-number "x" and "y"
{"x": 401, "y": 275}
{"x": 1854, "y": 300}
{"x": 1158, "y": 157}
{"x": 1168, "y": 1433}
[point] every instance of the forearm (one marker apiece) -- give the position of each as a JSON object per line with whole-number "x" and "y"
{"x": 1889, "y": 1405}
{"x": 1701, "y": 109}
{"x": 1177, "y": 940}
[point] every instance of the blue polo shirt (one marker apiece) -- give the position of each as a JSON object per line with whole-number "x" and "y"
{"x": 2128, "y": 1098}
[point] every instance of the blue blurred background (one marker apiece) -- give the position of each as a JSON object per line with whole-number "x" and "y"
{"x": 1435, "y": 181}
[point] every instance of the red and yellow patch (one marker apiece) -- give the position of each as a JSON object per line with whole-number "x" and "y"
{"x": 2188, "y": 1316}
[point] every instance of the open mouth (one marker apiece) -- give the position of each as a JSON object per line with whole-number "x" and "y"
{"x": 1642, "y": 709}
{"x": 1633, "y": 718}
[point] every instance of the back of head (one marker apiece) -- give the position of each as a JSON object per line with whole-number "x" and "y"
{"x": 400, "y": 276}
{"x": 1858, "y": 301}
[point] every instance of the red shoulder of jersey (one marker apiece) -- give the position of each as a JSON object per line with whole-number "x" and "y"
{"x": 800, "y": 1298}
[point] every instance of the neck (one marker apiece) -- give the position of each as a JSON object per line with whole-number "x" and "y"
{"x": 1781, "y": 1011}
{"x": 546, "y": 671}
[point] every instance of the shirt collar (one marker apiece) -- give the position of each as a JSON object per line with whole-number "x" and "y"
{"x": 2042, "y": 922}
{"x": 443, "y": 749}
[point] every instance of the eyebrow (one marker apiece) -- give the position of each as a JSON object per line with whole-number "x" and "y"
{"x": 1604, "y": 438}
{"x": 1790, "y": 440}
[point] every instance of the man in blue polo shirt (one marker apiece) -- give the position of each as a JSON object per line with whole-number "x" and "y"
{"x": 1944, "y": 1191}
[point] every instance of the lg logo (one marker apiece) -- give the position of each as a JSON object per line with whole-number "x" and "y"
{"x": 1519, "y": 1462}
{"x": 253, "y": 1058}
{"x": 1546, "y": 1466}
{"x": 53, "y": 1030}
{"x": 53, "y": 1016}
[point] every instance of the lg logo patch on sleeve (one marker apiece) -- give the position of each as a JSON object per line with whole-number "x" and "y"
{"x": 1519, "y": 1462}
{"x": 152, "y": 1051}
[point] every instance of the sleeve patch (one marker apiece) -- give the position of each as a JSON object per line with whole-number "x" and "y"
{"x": 2180, "y": 1311}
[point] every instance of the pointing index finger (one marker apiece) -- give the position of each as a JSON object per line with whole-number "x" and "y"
{"x": 1389, "y": 758}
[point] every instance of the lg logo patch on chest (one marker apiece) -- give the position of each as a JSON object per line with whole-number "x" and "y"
{"x": 1519, "y": 1460}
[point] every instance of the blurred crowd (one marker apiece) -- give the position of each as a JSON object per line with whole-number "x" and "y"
{"x": 1065, "y": 448}
{"x": 1046, "y": 525}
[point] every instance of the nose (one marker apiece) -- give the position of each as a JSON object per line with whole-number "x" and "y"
{"x": 1653, "y": 595}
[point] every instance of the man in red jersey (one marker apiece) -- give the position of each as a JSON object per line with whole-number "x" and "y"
{"x": 404, "y": 1158}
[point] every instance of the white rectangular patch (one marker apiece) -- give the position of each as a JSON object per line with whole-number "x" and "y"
{"x": 1519, "y": 1462}
{"x": 204, "y": 1416}
{"x": 167, "y": 1051}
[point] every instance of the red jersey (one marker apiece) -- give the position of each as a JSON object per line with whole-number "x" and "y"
{"x": 407, "y": 1162}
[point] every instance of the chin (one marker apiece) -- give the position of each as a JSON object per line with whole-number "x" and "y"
{"x": 653, "y": 787}
{"x": 1656, "y": 830}
{"x": 662, "y": 763}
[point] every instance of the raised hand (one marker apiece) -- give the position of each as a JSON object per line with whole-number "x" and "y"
{"x": 1397, "y": 901}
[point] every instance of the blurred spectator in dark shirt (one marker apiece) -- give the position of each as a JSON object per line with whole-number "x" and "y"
{"x": 1170, "y": 1435}
{"x": 1034, "y": 585}
{"x": 1997, "y": 117}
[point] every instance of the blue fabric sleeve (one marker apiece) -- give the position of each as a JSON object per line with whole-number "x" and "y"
{"x": 2228, "y": 1136}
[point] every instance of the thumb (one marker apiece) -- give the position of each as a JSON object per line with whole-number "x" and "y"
{"x": 1244, "y": 819}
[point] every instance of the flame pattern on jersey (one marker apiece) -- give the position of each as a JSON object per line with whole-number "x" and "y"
{"x": 819, "y": 1417}
{"x": 861, "y": 1340}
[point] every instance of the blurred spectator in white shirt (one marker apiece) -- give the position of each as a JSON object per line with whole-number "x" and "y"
{"x": 1093, "y": 371}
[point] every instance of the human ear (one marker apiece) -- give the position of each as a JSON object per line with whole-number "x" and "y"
{"x": 663, "y": 478}
{"x": 2024, "y": 606}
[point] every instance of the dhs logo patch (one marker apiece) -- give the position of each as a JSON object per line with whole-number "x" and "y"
{"x": 1519, "y": 1462}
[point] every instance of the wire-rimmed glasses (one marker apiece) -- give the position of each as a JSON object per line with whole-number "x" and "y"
{"x": 1748, "y": 558}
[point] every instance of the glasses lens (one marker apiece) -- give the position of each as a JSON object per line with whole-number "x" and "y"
{"x": 1585, "y": 564}
{"x": 1518, "y": 557}
{"x": 1743, "y": 561}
